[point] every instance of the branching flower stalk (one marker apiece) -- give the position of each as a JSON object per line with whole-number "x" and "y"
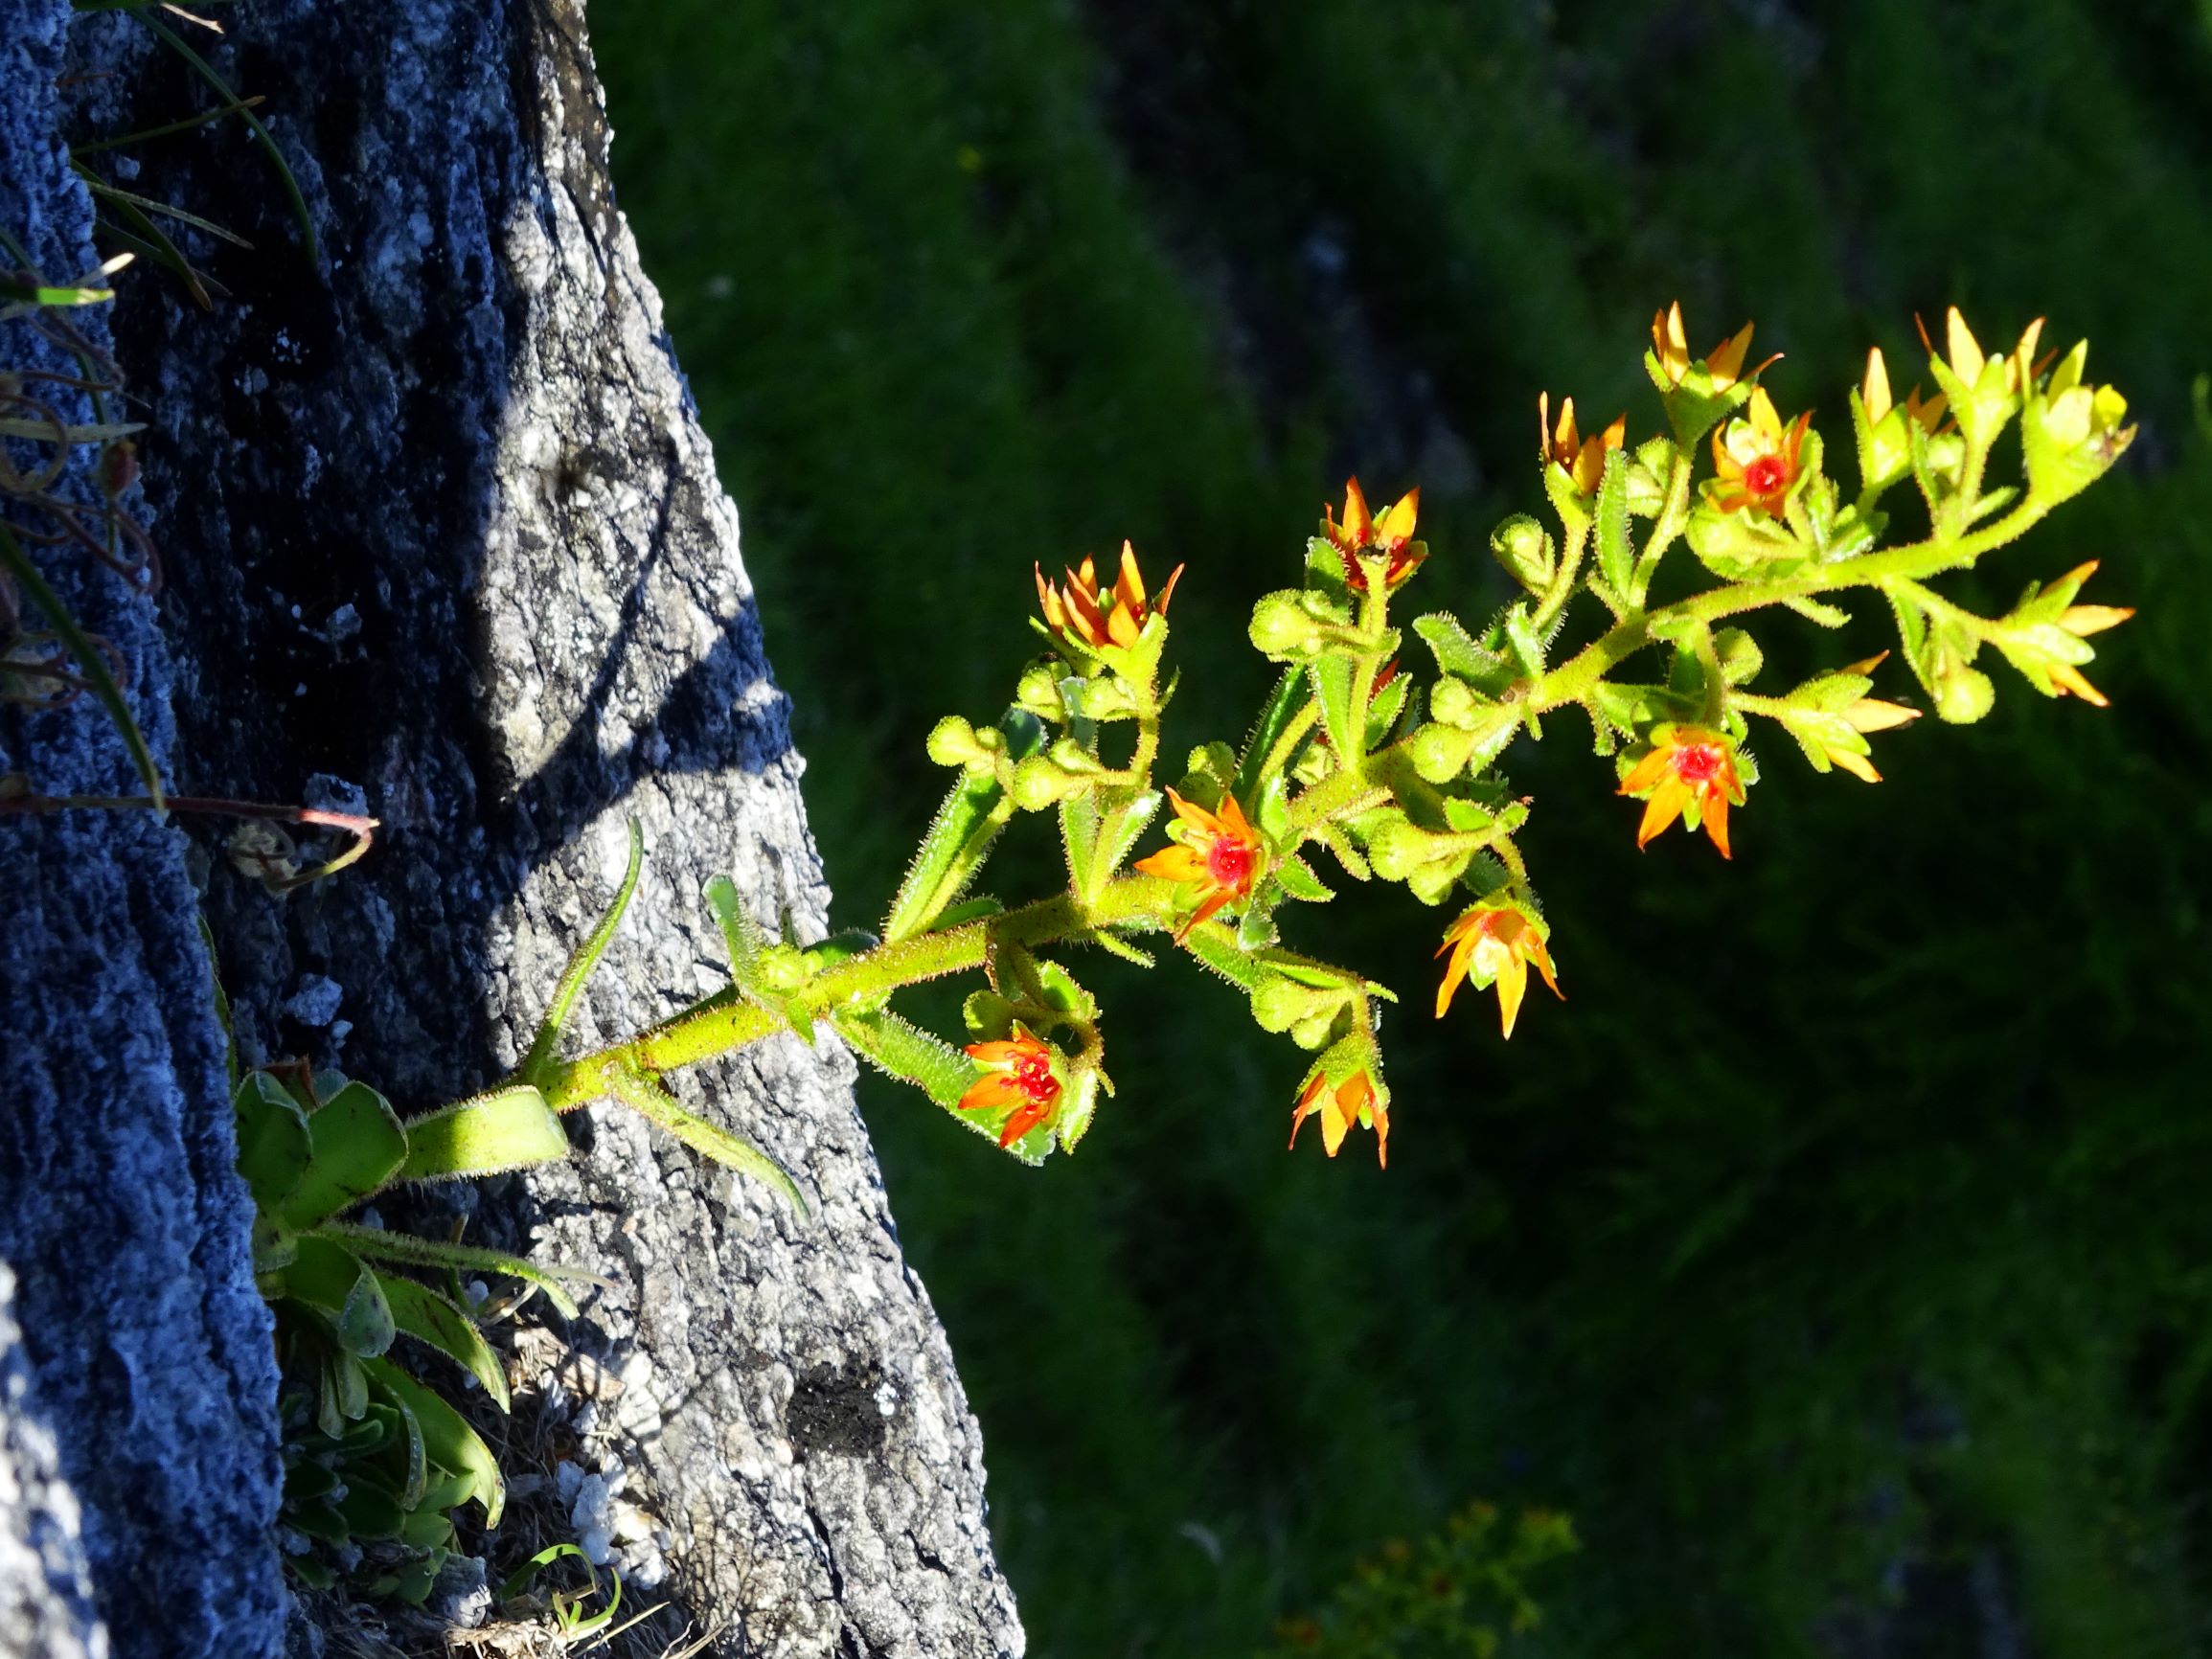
{"x": 1398, "y": 781}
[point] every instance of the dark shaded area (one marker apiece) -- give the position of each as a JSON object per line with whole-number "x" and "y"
{"x": 1836, "y": 1254}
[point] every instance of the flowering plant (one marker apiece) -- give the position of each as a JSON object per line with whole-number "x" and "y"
{"x": 1358, "y": 766}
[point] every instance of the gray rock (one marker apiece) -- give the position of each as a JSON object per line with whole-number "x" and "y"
{"x": 149, "y": 1371}
{"x": 461, "y": 425}
{"x": 46, "y": 1597}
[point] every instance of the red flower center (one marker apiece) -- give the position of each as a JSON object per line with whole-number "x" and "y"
{"x": 1229, "y": 861}
{"x": 1031, "y": 1074}
{"x": 1769, "y": 475}
{"x": 1698, "y": 762}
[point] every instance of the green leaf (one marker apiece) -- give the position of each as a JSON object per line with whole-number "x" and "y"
{"x": 1125, "y": 826}
{"x": 448, "y": 1441}
{"x": 1300, "y": 882}
{"x": 1617, "y": 557}
{"x": 377, "y": 1244}
{"x": 507, "y": 1130}
{"x": 579, "y": 965}
{"x": 274, "y": 1148}
{"x": 960, "y": 835}
{"x": 417, "y": 1475}
{"x": 1333, "y": 685}
{"x": 646, "y": 1097}
{"x": 369, "y": 1513}
{"x": 1457, "y": 653}
{"x": 1527, "y": 648}
{"x": 357, "y": 1146}
{"x": 429, "y": 1317}
{"x": 1283, "y": 706}
{"x": 334, "y": 1280}
{"x": 908, "y": 1052}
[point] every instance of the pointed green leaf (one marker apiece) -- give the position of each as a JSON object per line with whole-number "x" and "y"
{"x": 1300, "y": 882}
{"x": 1283, "y": 706}
{"x": 448, "y": 1441}
{"x": 961, "y": 834}
{"x": 356, "y": 1146}
{"x": 579, "y": 965}
{"x": 429, "y": 1317}
{"x": 1617, "y": 557}
{"x": 1332, "y": 686}
{"x": 379, "y": 1245}
{"x": 910, "y": 1054}
{"x": 1457, "y": 653}
{"x": 643, "y": 1095}
{"x": 508, "y": 1129}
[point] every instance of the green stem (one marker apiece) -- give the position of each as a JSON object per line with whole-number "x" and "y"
{"x": 1562, "y": 584}
{"x": 1573, "y": 680}
{"x": 722, "y": 1024}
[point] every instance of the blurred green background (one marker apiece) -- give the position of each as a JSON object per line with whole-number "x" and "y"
{"x": 1841, "y": 1255}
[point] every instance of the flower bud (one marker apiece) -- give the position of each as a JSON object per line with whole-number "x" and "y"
{"x": 1038, "y": 782}
{"x": 1039, "y": 691}
{"x": 1106, "y": 697}
{"x": 1071, "y": 756}
{"x": 954, "y": 742}
{"x": 1526, "y": 551}
{"x": 1440, "y": 752}
{"x": 1453, "y": 701}
{"x": 1283, "y": 629}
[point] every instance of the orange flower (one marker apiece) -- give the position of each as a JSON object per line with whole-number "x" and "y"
{"x": 2080, "y": 620}
{"x": 1691, "y": 772}
{"x": 1758, "y": 459}
{"x": 1723, "y": 364}
{"x": 1583, "y": 460}
{"x": 1361, "y": 531}
{"x": 1499, "y": 942}
{"x": 1019, "y": 1074}
{"x": 1090, "y": 617}
{"x": 1340, "y": 1109}
{"x": 1220, "y": 854}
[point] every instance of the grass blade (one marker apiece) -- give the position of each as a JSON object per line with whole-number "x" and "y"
{"x": 88, "y": 658}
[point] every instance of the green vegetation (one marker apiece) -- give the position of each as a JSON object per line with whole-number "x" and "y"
{"x": 1852, "y": 1297}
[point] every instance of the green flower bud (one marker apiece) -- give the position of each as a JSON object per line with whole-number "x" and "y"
{"x": 1283, "y": 629}
{"x": 1740, "y": 658}
{"x": 1107, "y": 698}
{"x": 954, "y": 742}
{"x": 1039, "y": 691}
{"x": 1453, "y": 701}
{"x": 1526, "y": 551}
{"x": 1038, "y": 783}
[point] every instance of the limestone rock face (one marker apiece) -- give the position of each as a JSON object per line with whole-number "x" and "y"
{"x": 444, "y": 538}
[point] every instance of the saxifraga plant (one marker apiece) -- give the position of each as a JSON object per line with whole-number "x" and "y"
{"x": 1398, "y": 781}
{"x": 376, "y": 1461}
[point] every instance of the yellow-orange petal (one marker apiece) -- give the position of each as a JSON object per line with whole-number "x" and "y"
{"x": 1715, "y": 815}
{"x": 1177, "y": 863}
{"x": 1874, "y": 389}
{"x": 2094, "y": 619}
{"x": 1653, "y": 769}
{"x": 1167, "y": 591}
{"x": 1358, "y": 525}
{"x": 1396, "y": 525}
{"x": 1661, "y": 810}
{"x": 1129, "y": 586}
{"x": 2069, "y": 678}
{"x": 1726, "y": 361}
{"x": 1857, "y": 765}
{"x": 1961, "y": 350}
{"x": 1671, "y": 343}
{"x": 1512, "y": 985}
{"x": 1872, "y": 714}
